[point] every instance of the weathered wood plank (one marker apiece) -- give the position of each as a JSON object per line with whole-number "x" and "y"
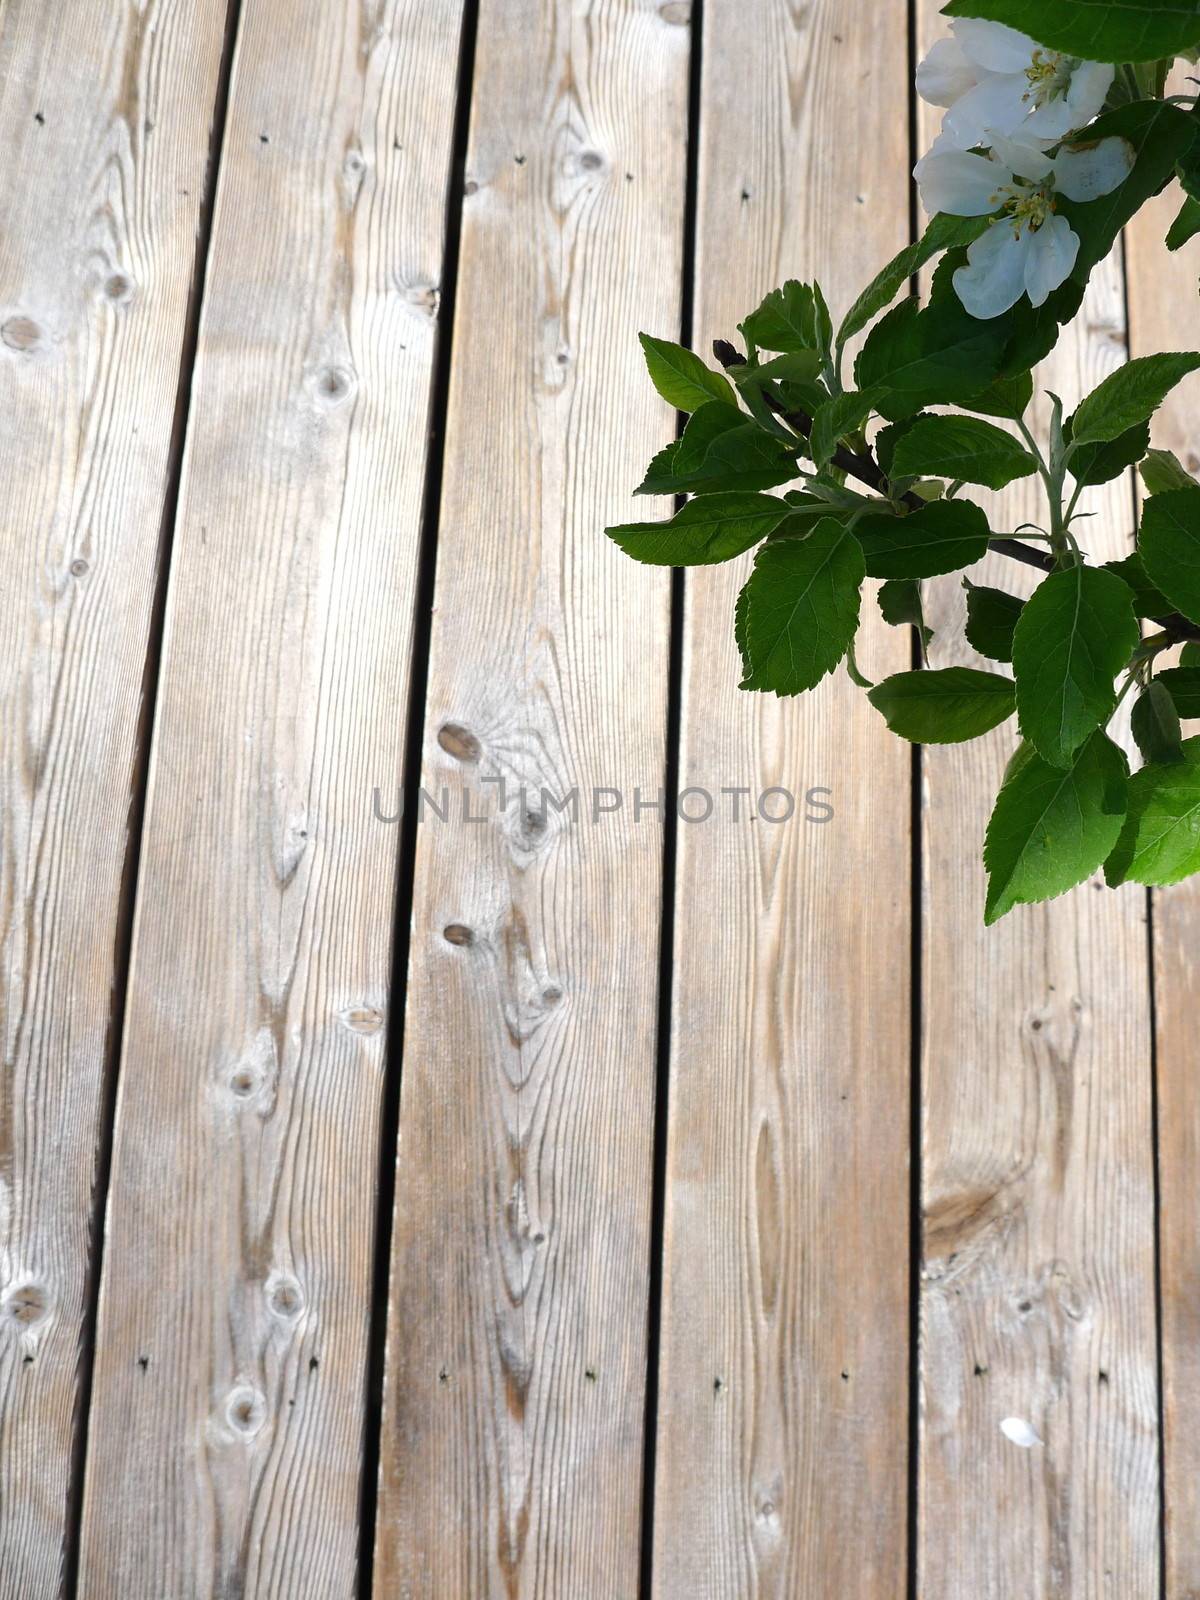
{"x": 783, "y": 1393}
{"x": 227, "y": 1419}
{"x": 511, "y": 1460}
{"x": 105, "y": 115}
{"x": 1162, "y": 316}
{"x": 1037, "y": 1297}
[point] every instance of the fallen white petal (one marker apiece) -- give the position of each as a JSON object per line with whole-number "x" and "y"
{"x": 1018, "y": 1431}
{"x": 1085, "y": 172}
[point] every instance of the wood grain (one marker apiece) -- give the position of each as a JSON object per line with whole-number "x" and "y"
{"x": 511, "y": 1461}
{"x": 227, "y": 1420}
{"x": 783, "y": 1391}
{"x": 1162, "y": 316}
{"x": 1037, "y": 1294}
{"x": 105, "y": 112}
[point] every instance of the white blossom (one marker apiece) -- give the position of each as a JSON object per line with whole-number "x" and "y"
{"x": 1029, "y": 248}
{"x": 992, "y": 79}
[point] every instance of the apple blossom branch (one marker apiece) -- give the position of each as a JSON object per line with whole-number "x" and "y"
{"x": 864, "y": 469}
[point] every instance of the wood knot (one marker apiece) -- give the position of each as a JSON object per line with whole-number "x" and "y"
{"x": 25, "y": 1305}
{"x": 118, "y": 288}
{"x": 333, "y": 386}
{"x": 21, "y": 333}
{"x": 459, "y": 742}
{"x": 285, "y": 1298}
{"x": 245, "y": 1411}
{"x": 367, "y": 1020}
{"x": 251, "y": 1078}
{"x": 79, "y": 567}
{"x": 591, "y": 161}
{"x": 424, "y": 298}
{"x": 458, "y": 933}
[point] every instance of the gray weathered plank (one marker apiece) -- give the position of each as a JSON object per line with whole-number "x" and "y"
{"x": 783, "y": 1391}
{"x": 516, "y": 1354}
{"x": 1037, "y": 1292}
{"x": 1162, "y": 316}
{"x": 227, "y": 1420}
{"x": 105, "y": 114}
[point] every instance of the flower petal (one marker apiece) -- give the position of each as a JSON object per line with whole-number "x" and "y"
{"x": 1085, "y": 172}
{"x": 959, "y": 182}
{"x": 995, "y": 104}
{"x": 1021, "y": 157}
{"x": 1051, "y": 121}
{"x": 1090, "y": 83}
{"x": 992, "y": 45}
{"x": 994, "y": 277}
{"x": 945, "y": 74}
{"x": 1049, "y": 258}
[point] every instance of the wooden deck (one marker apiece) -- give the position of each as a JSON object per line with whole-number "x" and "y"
{"x": 511, "y": 1199}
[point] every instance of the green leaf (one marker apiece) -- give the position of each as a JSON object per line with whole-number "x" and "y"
{"x": 1147, "y": 600}
{"x": 844, "y": 414}
{"x": 941, "y": 537}
{"x": 1161, "y": 470}
{"x": 1183, "y": 685}
{"x": 1130, "y": 395}
{"x": 1186, "y": 224}
{"x": 1160, "y": 842}
{"x": 1003, "y": 397}
{"x": 799, "y": 611}
{"x": 1154, "y": 723}
{"x": 1052, "y": 826}
{"x": 1102, "y": 461}
{"x": 1097, "y": 30}
{"x": 791, "y": 378}
{"x": 944, "y": 232}
{"x": 721, "y": 448}
{"x": 900, "y": 604}
{"x": 680, "y": 376}
{"x": 822, "y": 322}
{"x": 888, "y": 438}
{"x": 1169, "y": 545}
{"x": 1075, "y": 634}
{"x": 962, "y": 447}
{"x": 914, "y": 358}
{"x": 787, "y": 319}
{"x": 1189, "y": 656}
{"x": 715, "y": 527}
{"x": 943, "y": 707}
{"x": 992, "y": 618}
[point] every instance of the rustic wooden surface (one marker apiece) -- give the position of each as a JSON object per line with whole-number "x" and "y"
{"x": 228, "y": 1402}
{"x": 246, "y": 978}
{"x": 1037, "y": 1266}
{"x": 783, "y": 1389}
{"x": 105, "y": 115}
{"x": 512, "y": 1444}
{"x": 1159, "y": 285}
